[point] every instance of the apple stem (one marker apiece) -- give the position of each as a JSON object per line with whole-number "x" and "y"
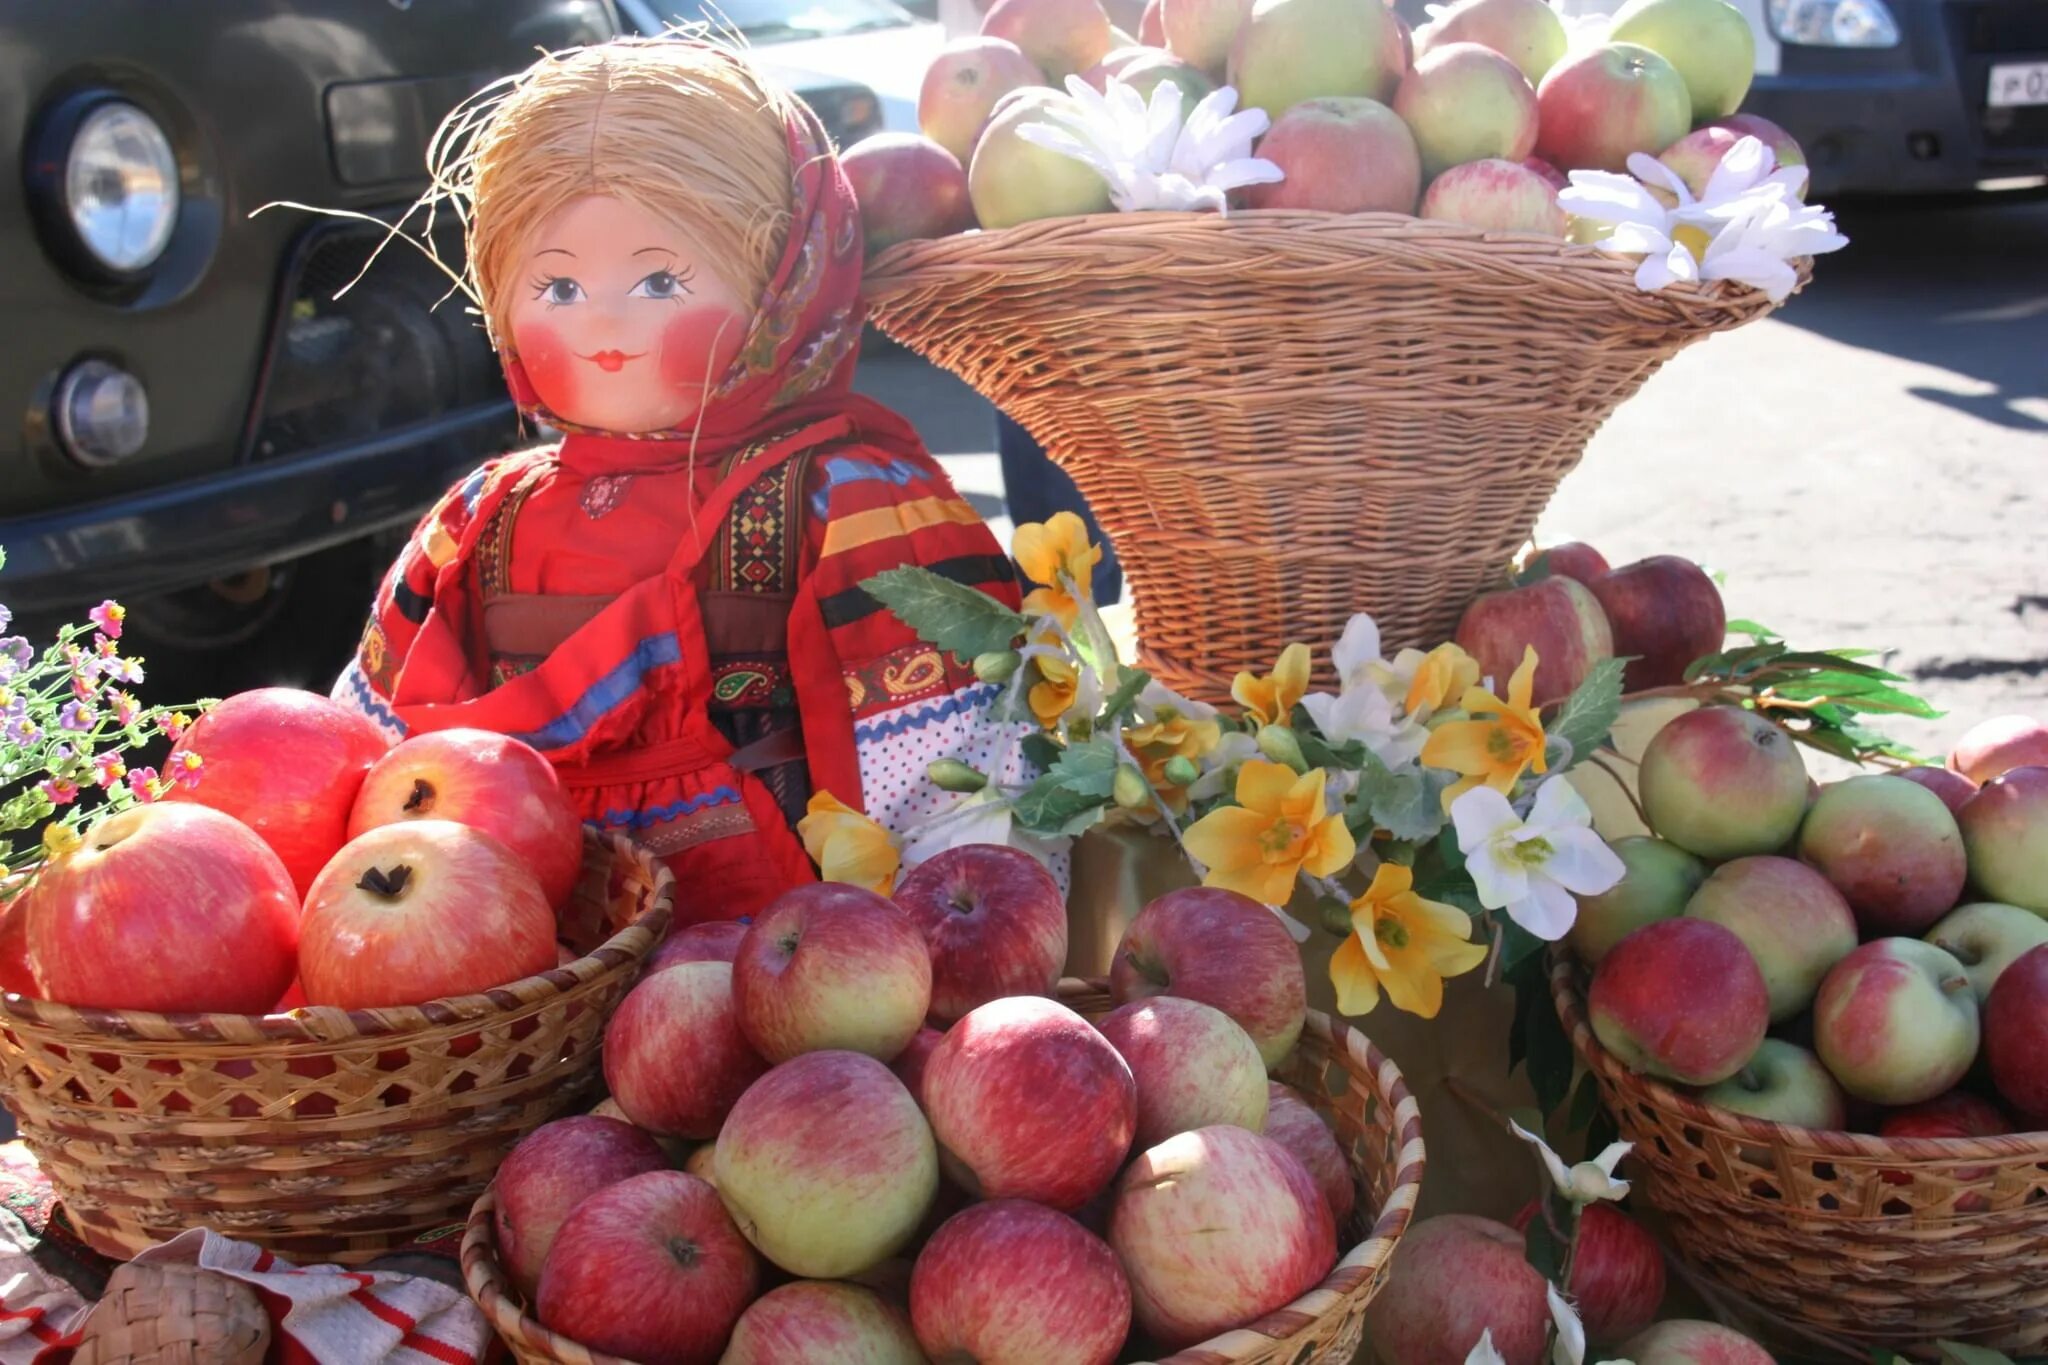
{"x": 388, "y": 883}
{"x": 1951, "y": 984}
{"x": 422, "y": 798}
{"x": 1749, "y": 1080}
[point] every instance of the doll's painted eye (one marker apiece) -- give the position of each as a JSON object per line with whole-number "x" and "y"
{"x": 558, "y": 290}
{"x": 662, "y": 284}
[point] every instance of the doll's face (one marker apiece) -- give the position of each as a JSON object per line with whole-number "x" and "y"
{"x": 619, "y": 322}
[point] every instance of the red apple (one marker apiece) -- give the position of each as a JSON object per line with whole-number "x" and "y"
{"x": 17, "y": 974}
{"x": 1495, "y": 196}
{"x": 551, "y": 1171}
{"x": 490, "y": 782}
{"x": 1600, "y": 105}
{"x": 1999, "y": 745}
{"x": 1200, "y": 32}
{"x": 1896, "y": 1021}
{"x": 1223, "y": 949}
{"x": 1152, "y": 25}
{"x": 1958, "y": 1114}
{"x": 1555, "y": 178}
{"x": 1061, "y": 37}
{"x": 910, "y": 1063}
{"x": 1188, "y": 1284}
{"x": 167, "y": 908}
{"x": 1526, "y": 32}
{"x": 714, "y": 940}
{"x": 1193, "y": 1065}
{"x": 961, "y": 88}
{"x": 421, "y": 910}
{"x": 1454, "y": 1278}
{"x": 2005, "y": 833}
{"x": 663, "y": 1244}
{"x": 1657, "y": 882}
{"x": 2016, "y": 1035}
{"x": 827, "y": 1164}
{"x": 1892, "y": 848}
{"x": 1688, "y": 1341}
{"x": 1466, "y": 103}
{"x": 1721, "y": 782}
{"x": 830, "y": 965}
{"x": 1617, "y": 1272}
{"x": 1681, "y": 999}
{"x": 286, "y": 763}
{"x": 1301, "y": 1130}
{"x": 1782, "y": 144}
{"x": 1952, "y": 787}
{"x": 1013, "y": 1283}
{"x": 674, "y": 1056}
{"x": 1559, "y": 616}
{"x": 818, "y": 1322}
{"x": 995, "y": 922}
{"x": 1695, "y": 157}
{"x": 908, "y": 187}
{"x": 1792, "y": 920}
{"x": 1028, "y": 1101}
{"x": 1341, "y": 155}
{"x": 1666, "y": 613}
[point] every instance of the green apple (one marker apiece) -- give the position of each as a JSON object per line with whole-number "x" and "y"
{"x": 1782, "y": 1083}
{"x": 1985, "y": 936}
{"x": 1658, "y": 881}
{"x": 1709, "y": 41}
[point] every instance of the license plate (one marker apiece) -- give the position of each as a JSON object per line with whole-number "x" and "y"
{"x": 2014, "y": 84}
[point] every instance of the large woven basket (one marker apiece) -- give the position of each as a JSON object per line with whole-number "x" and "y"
{"x": 1850, "y": 1241}
{"x": 325, "y": 1135}
{"x": 1284, "y": 418}
{"x": 1336, "y": 1067}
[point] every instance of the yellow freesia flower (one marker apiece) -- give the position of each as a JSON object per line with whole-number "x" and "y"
{"x": 1280, "y": 826}
{"x": 1167, "y": 736}
{"x": 1445, "y": 672}
{"x": 1271, "y": 699}
{"x": 1503, "y": 741}
{"x": 1403, "y": 944}
{"x": 847, "y": 846}
{"x": 1049, "y": 549}
{"x": 1059, "y": 682}
{"x": 60, "y": 840}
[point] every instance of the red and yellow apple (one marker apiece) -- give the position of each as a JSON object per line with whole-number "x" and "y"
{"x": 1689, "y": 1341}
{"x": 1454, "y": 1278}
{"x": 1656, "y": 882}
{"x": 994, "y": 921}
{"x": 2016, "y": 1035}
{"x": 1708, "y": 41}
{"x": 821, "y": 1322}
{"x": 1495, "y": 196}
{"x": 908, "y": 188}
{"x": 2005, "y": 834}
{"x": 831, "y": 966}
{"x": 1223, "y": 949}
{"x": 674, "y": 1056}
{"x": 1558, "y": 616}
{"x": 1341, "y": 154}
{"x": 551, "y": 1171}
{"x": 713, "y": 940}
{"x": 1666, "y": 612}
{"x": 1526, "y": 32}
{"x": 1896, "y": 1021}
{"x": 1287, "y": 51}
{"x": 1015, "y": 1283}
{"x": 1893, "y": 849}
{"x": 1617, "y": 1272}
{"x": 1996, "y": 746}
{"x": 1599, "y": 106}
{"x": 1465, "y": 103}
{"x": 1791, "y": 918}
{"x": 961, "y": 88}
{"x": 1012, "y": 181}
{"x": 1193, "y": 1065}
{"x": 1200, "y": 32}
{"x": 1291, "y": 1122}
{"x": 1061, "y": 37}
{"x": 1952, "y": 787}
{"x": 1721, "y": 782}
{"x": 1682, "y": 999}
{"x": 1695, "y": 157}
{"x": 1987, "y": 937}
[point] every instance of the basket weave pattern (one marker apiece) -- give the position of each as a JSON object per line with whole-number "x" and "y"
{"x": 1284, "y": 418}
{"x": 1378, "y": 1127}
{"x": 1855, "y": 1241}
{"x": 326, "y": 1134}
{"x": 174, "y": 1315}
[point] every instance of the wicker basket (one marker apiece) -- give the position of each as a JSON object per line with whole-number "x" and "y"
{"x": 1284, "y": 418}
{"x": 325, "y": 1135}
{"x": 1378, "y": 1126}
{"x": 1847, "y": 1240}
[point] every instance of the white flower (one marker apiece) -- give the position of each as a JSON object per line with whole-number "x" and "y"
{"x": 1570, "y": 1348}
{"x": 1586, "y": 22}
{"x": 1484, "y": 1352}
{"x": 1534, "y": 868}
{"x": 1362, "y": 710}
{"x": 1147, "y": 154}
{"x": 1586, "y": 1182}
{"x": 1219, "y": 763}
{"x": 1357, "y": 652}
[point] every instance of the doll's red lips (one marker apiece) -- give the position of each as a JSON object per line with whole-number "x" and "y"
{"x": 613, "y": 361}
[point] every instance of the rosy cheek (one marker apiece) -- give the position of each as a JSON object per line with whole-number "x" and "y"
{"x": 697, "y": 345}
{"x": 547, "y": 360}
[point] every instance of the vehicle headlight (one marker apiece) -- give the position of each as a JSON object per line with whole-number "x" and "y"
{"x": 121, "y": 187}
{"x": 1835, "y": 23}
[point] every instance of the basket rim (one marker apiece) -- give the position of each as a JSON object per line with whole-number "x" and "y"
{"x": 1823, "y": 1142}
{"x": 485, "y": 1277}
{"x": 327, "y": 1024}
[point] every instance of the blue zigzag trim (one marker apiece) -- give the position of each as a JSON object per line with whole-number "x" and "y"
{"x": 891, "y": 726}
{"x": 366, "y": 700}
{"x": 675, "y": 810}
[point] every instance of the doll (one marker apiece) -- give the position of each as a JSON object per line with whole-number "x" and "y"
{"x": 667, "y": 603}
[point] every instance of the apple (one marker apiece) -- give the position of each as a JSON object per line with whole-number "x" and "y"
{"x": 1526, "y": 32}
{"x": 1152, "y": 24}
{"x": 1688, "y": 1341}
{"x": 1896, "y": 1021}
{"x": 1574, "y": 558}
{"x": 287, "y": 763}
{"x": 961, "y": 88}
{"x": 1012, "y": 181}
{"x": 1709, "y": 41}
{"x": 551, "y": 1171}
{"x": 1791, "y": 918}
{"x": 831, "y": 966}
{"x": 1617, "y": 1271}
{"x": 1150, "y": 70}
{"x": 908, "y": 188}
{"x": 1783, "y": 1083}
{"x": 827, "y": 1165}
{"x": 1723, "y": 783}
{"x": 700, "y": 1161}
{"x": 1555, "y": 178}
{"x": 1341, "y": 155}
{"x": 1188, "y": 1285}
{"x": 1695, "y": 157}
{"x": 821, "y": 1322}
{"x": 1200, "y": 32}
{"x": 1782, "y": 144}
{"x": 2005, "y": 834}
{"x": 675, "y": 1058}
{"x": 916, "y": 1055}
{"x": 1988, "y": 749}
{"x": 1194, "y": 1067}
{"x": 662, "y": 1243}
{"x": 714, "y": 940}
{"x": 1287, "y": 51}
{"x": 2016, "y": 1035}
{"x": 1558, "y": 616}
{"x": 1466, "y": 103}
{"x": 1666, "y": 613}
{"x": 169, "y": 908}
{"x": 1682, "y": 999}
{"x": 1295, "y": 1125}
{"x": 1454, "y": 1278}
{"x": 1657, "y": 881}
{"x": 1598, "y": 106}
{"x": 1987, "y": 937}
{"x": 1495, "y": 196}
{"x": 1952, "y": 787}
{"x": 1958, "y": 1114}
{"x": 1893, "y": 849}
{"x": 994, "y": 922}
{"x": 490, "y": 782}
{"x": 17, "y": 973}
{"x": 1014, "y": 1283}
{"x": 1223, "y": 949}
{"x": 1061, "y": 37}
{"x": 1028, "y": 1101}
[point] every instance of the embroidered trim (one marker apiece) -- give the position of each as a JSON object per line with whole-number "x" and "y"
{"x": 607, "y": 692}
{"x": 602, "y": 493}
{"x": 903, "y": 675}
{"x": 890, "y": 726}
{"x": 758, "y": 549}
{"x": 675, "y": 810}
{"x": 494, "y": 543}
{"x": 368, "y": 702}
{"x": 749, "y": 682}
{"x": 720, "y": 822}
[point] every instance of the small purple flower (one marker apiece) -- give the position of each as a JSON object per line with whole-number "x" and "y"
{"x": 15, "y": 654}
{"x": 6, "y": 618}
{"x": 21, "y": 732}
{"x": 83, "y": 689}
{"x": 77, "y": 716}
{"x": 123, "y": 670}
{"x": 108, "y": 616}
{"x": 60, "y": 792}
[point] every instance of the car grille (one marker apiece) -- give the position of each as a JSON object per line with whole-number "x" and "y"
{"x": 2006, "y": 26}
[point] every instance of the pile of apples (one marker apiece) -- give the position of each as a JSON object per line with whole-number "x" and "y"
{"x": 1872, "y": 953}
{"x": 312, "y": 863}
{"x": 1474, "y": 118}
{"x": 884, "y": 1121}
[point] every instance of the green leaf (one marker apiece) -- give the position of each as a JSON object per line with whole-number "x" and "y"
{"x": 1042, "y": 750}
{"x": 1320, "y": 753}
{"x": 1535, "y": 571}
{"x": 1408, "y": 805}
{"x": 1070, "y": 795}
{"x": 1551, "y": 1061}
{"x": 1587, "y": 716}
{"x": 1602, "y": 1132}
{"x": 954, "y": 617}
{"x": 1585, "y": 1103}
{"x": 1740, "y": 626}
{"x": 1734, "y": 665}
{"x": 1859, "y": 692}
{"x": 1957, "y": 1353}
{"x": 1124, "y": 700}
{"x": 1542, "y": 1248}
